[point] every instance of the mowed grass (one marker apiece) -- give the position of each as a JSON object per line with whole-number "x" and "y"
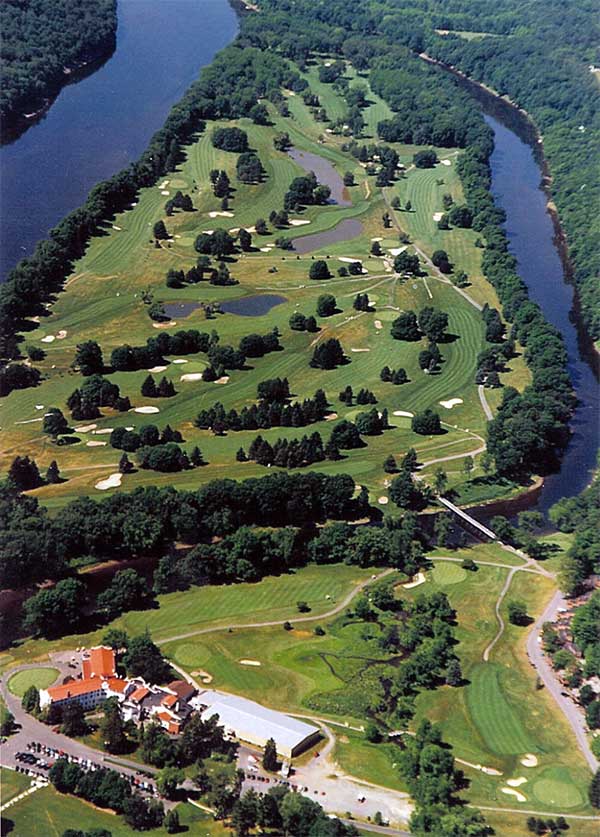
{"x": 41, "y": 678}
{"x": 47, "y": 812}
{"x": 495, "y": 718}
{"x": 103, "y": 301}
{"x": 199, "y": 608}
{"x": 12, "y": 784}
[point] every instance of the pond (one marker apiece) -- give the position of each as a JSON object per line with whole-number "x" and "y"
{"x": 180, "y": 309}
{"x": 325, "y": 173}
{"x": 252, "y": 306}
{"x": 344, "y": 231}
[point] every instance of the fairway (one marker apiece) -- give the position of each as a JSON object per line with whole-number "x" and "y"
{"x": 41, "y": 678}
{"x": 447, "y": 573}
{"x": 492, "y": 714}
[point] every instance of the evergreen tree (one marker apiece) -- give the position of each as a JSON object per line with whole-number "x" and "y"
{"x": 125, "y": 466}
{"x": 23, "y": 474}
{"x": 171, "y": 822}
{"x": 53, "y": 473}
{"x": 241, "y": 455}
{"x": 270, "y": 756}
{"x": 196, "y": 457}
{"x": 148, "y": 388}
{"x": 160, "y": 231}
{"x": 390, "y": 466}
{"x": 165, "y": 388}
{"x": 31, "y": 700}
{"x": 112, "y": 728}
{"x": 55, "y": 423}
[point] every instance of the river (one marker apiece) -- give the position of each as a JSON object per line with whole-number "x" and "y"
{"x": 103, "y": 122}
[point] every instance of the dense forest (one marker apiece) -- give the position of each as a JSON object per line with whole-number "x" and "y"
{"x": 43, "y": 41}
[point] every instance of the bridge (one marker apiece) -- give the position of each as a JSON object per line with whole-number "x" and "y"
{"x": 470, "y": 522}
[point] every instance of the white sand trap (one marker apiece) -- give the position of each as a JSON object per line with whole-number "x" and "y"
{"x": 395, "y": 251}
{"x": 39, "y": 406}
{"x": 165, "y": 325}
{"x": 348, "y": 259}
{"x": 418, "y": 579}
{"x": 383, "y": 501}
{"x": 446, "y": 162}
{"x": 208, "y": 232}
{"x": 512, "y": 792}
{"x": 331, "y": 416}
{"x": 515, "y": 783}
{"x": 299, "y": 222}
{"x": 437, "y": 216}
{"x": 328, "y": 63}
{"x": 360, "y": 350}
{"x": 114, "y": 226}
{"x": 61, "y": 334}
{"x": 250, "y": 663}
{"x": 103, "y": 432}
{"x": 49, "y": 338}
{"x": 164, "y": 192}
{"x": 404, "y": 413}
{"x": 265, "y": 249}
{"x": 163, "y": 184}
{"x": 203, "y": 675}
{"x": 85, "y": 428}
{"x": 146, "y": 410}
{"x": 177, "y": 236}
{"x": 95, "y": 444}
{"x": 156, "y": 369}
{"x": 114, "y": 481}
{"x": 180, "y": 360}
{"x": 378, "y": 324}
{"x": 192, "y": 376}
{"x": 378, "y": 238}
{"x": 451, "y": 402}
{"x": 131, "y": 427}
{"x": 29, "y": 421}
{"x": 529, "y": 760}
{"x": 221, "y": 214}
{"x": 222, "y": 380}
{"x": 328, "y": 131}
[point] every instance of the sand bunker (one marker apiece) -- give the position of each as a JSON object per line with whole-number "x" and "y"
{"x": 515, "y": 783}
{"x": 114, "y": 481}
{"x": 451, "y": 402}
{"x": 418, "y": 579}
{"x": 61, "y": 334}
{"x": 221, "y": 214}
{"x": 39, "y": 406}
{"x": 437, "y": 216}
{"x": 131, "y": 427}
{"x": 103, "y": 431}
{"x": 95, "y": 444}
{"x": 164, "y": 192}
{"x": 250, "y": 663}
{"x": 208, "y": 232}
{"x": 378, "y": 324}
{"x": 395, "y": 251}
{"x": 446, "y": 162}
{"x": 29, "y": 421}
{"x": 360, "y": 350}
{"x": 114, "y": 226}
{"x": 349, "y": 259}
{"x": 404, "y": 413}
{"x": 163, "y": 184}
{"x": 331, "y": 417}
{"x": 383, "y": 501}
{"x": 265, "y": 249}
{"x": 49, "y": 338}
{"x": 512, "y": 792}
{"x": 377, "y": 238}
{"x": 180, "y": 360}
{"x": 299, "y": 222}
{"x": 529, "y": 760}
{"x": 165, "y": 325}
{"x": 203, "y": 675}
{"x": 192, "y": 376}
{"x": 156, "y": 369}
{"x": 223, "y": 380}
{"x": 146, "y": 410}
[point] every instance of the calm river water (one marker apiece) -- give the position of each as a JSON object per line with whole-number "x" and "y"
{"x": 101, "y": 123}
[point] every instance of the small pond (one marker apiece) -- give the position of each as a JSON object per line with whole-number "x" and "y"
{"x": 252, "y": 306}
{"x": 344, "y": 231}
{"x": 180, "y": 309}
{"x": 325, "y": 173}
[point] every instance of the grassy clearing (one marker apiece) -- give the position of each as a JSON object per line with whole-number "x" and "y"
{"x": 41, "y": 678}
{"x": 370, "y": 762}
{"x": 12, "y": 784}
{"x": 103, "y": 302}
{"x": 49, "y": 813}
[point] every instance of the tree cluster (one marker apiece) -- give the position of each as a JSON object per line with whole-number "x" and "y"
{"x": 268, "y": 413}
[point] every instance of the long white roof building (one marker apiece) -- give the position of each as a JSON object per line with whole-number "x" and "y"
{"x": 249, "y": 721}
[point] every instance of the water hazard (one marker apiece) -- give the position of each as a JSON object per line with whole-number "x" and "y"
{"x": 324, "y": 172}
{"x": 252, "y": 306}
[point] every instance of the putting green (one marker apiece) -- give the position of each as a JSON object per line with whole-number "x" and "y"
{"x": 555, "y": 787}
{"x": 41, "y": 678}
{"x": 179, "y": 184}
{"x": 448, "y": 573}
{"x": 387, "y": 314}
{"x": 191, "y": 655}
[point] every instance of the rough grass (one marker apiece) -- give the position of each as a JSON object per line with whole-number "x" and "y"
{"x": 12, "y": 784}
{"x": 41, "y": 678}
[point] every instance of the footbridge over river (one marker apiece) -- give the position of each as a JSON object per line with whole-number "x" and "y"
{"x": 468, "y": 521}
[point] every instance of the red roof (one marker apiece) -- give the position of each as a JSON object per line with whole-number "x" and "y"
{"x": 116, "y": 684}
{"x": 172, "y": 725}
{"x": 139, "y": 694}
{"x": 169, "y": 700}
{"x": 102, "y": 662}
{"x": 75, "y": 689}
{"x": 181, "y": 688}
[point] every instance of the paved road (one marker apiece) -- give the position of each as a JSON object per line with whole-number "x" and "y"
{"x": 296, "y": 619}
{"x": 486, "y": 407}
{"x": 500, "y": 599}
{"x": 570, "y": 710}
